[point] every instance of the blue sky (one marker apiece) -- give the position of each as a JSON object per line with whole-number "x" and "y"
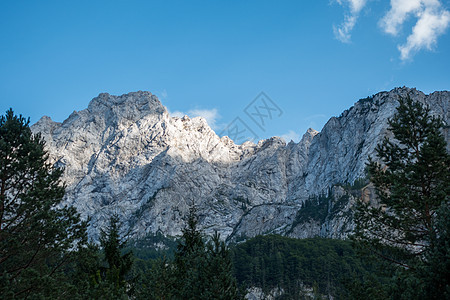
{"x": 212, "y": 58}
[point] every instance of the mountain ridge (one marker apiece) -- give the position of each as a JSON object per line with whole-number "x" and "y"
{"x": 126, "y": 154}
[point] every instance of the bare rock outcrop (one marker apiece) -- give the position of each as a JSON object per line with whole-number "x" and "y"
{"x": 127, "y": 155}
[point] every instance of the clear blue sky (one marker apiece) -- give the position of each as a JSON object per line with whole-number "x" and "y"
{"x": 312, "y": 58}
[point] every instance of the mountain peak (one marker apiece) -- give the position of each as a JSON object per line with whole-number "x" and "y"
{"x": 45, "y": 125}
{"x": 126, "y": 154}
{"x": 141, "y": 103}
{"x": 45, "y": 120}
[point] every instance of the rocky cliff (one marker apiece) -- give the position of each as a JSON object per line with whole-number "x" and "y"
{"x": 127, "y": 155}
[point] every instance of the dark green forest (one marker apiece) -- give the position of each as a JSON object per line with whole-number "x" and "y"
{"x": 327, "y": 265}
{"x": 301, "y": 267}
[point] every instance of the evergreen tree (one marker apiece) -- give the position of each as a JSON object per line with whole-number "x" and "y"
{"x": 112, "y": 280}
{"x": 221, "y": 282}
{"x": 412, "y": 183}
{"x": 202, "y": 270}
{"x": 82, "y": 272}
{"x": 190, "y": 261}
{"x": 36, "y": 231}
{"x": 191, "y": 241}
{"x": 158, "y": 282}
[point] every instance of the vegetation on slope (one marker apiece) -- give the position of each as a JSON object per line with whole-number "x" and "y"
{"x": 295, "y": 265}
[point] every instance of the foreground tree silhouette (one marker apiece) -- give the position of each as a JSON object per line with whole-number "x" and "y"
{"x": 200, "y": 270}
{"x": 190, "y": 261}
{"x": 36, "y": 232}
{"x": 412, "y": 184}
{"x": 112, "y": 280}
{"x": 203, "y": 270}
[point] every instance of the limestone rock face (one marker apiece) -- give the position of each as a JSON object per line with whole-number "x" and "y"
{"x": 127, "y": 155}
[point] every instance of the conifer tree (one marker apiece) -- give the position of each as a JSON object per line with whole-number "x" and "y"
{"x": 83, "y": 272}
{"x": 202, "y": 270}
{"x": 112, "y": 279}
{"x": 411, "y": 180}
{"x": 158, "y": 281}
{"x": 36, "y": 231}
{"x": 190, "y": 261}
{"x": 221, "y": 282}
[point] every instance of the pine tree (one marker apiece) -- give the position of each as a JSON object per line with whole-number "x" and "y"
{"x": 112, "y": 280}
{"x": 190, "y": 261}
{"x": 412, "y": 183}
{"x": 191, "y": 240}
{"x": 83, "y": 272}
{"x": 36, "y": 231}
{"x": 202, "y": 270}
{"x": 158, "y": 282}
{"x": 221, "y": 282}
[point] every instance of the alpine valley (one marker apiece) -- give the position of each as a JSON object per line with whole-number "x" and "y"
{"x": 127, "y": 155}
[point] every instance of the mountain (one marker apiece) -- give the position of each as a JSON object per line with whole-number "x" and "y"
{"x": 127, "y": 155}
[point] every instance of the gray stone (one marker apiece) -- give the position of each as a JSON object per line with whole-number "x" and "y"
{"x": 127, "y": 155}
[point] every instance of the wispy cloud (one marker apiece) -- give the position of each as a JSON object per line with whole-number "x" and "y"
{"x": 343, "y": 31}
{"x": 291, "y": 135}
{"x": 210, "y": 115}
{"x": 432, "y": 21}
{"x": 162, "y": 95}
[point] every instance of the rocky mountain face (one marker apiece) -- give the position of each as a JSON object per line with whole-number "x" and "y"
{"x": 127, "y": 155}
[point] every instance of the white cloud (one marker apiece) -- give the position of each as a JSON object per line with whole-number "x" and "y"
{"x": 210, "y": 115}
{"x": 164, "y": 94}
{"x": 432, "y": 21}
{"x": 398, "y": 13}
{"x": 343, "y": 31}
{"x": 291, "y": 135}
